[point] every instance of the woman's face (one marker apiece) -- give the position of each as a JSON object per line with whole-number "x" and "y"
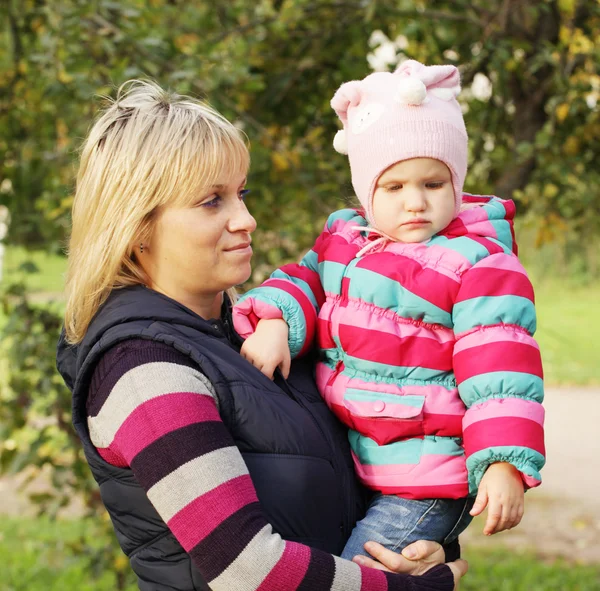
{"x": 198, "y": 251}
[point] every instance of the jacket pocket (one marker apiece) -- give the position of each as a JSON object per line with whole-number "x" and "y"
{"x": 385, "y": 417}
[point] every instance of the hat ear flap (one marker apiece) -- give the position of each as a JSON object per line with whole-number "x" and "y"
{"x": 348, "y": 94}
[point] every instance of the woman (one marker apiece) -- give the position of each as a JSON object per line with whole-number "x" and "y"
{"x": 212, "y": 473}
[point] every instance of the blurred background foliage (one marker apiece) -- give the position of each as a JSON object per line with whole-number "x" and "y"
{"x": 531, "y": 85}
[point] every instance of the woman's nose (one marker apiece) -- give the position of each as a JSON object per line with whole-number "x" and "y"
{"x": 241, "y": 219}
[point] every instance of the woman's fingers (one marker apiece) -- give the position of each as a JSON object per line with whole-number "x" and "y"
{"x": 423, "y": 555}
{"x": 459, "y": 569}
{"x": 366, "y": 561}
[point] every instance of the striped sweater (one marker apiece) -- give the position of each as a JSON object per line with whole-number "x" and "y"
{"x": 150, "y": 409}
{"x": 427, "y": 349}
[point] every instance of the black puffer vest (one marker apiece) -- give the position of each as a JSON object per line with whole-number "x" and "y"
{"x": 296, "y": 451}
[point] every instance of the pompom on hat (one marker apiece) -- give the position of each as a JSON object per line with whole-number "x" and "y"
{"x": 412, "y": 113}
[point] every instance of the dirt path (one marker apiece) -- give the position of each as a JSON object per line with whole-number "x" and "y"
{"x": 562, "y": 517}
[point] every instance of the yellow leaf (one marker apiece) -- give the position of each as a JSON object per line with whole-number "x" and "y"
{"x": 550, "y": 191}
{"x": 561, "y": 112}
{"x": 571, "y": 146}
{"x": 280, "y": 162}
{"x": 121, "y": 562}
{"x": 64, "y": 77}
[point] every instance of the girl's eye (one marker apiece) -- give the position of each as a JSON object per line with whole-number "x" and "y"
{"x": 394, "y": 187}
{"x": 437, "y": 185}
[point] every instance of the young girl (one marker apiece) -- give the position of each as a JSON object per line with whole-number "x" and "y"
{"x": 423, "y": 316}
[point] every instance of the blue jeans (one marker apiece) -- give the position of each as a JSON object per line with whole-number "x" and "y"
{"x": 395, "y": 522}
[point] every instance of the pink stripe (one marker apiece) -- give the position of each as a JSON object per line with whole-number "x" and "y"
{"x": 410, "y": 351}
{"x": 310, "y": 314}
{"x": 415, "y": 276}
{"x": 310, "y": 277}
{"x": 289, "y": 570}
{"x": 247, "y": 314}
{"x": 499, "y": 333}
{"x": 504, "y": 431}
{"x": 438, "y": 400}
{"x": 200, "y": 517}
{"x": 504, "y": 407}
{"x": 432, "y": 470}
{"x": 367, "y": 316}
{"x": 502, "y": 261}
{"x": 372, "y": 580}
{"x": 337, "y": 250}
{"x": 112, "y": 457}
{"x": 498, "y": 356}
{"x": 480, "y": 282}
{"x": 159, "y": 416}
{"x": 530, "y": 481}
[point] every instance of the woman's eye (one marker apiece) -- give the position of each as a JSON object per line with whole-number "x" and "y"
{"x": 243, "y": 193}
{"x": 214, "y": 202}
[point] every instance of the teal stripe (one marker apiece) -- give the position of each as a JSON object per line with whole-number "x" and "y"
{"x": 526, "y": 460}
{"x": 310, "y": 260}
{"x": 490, "y": 310}
{"x": 346, "y": 215}
{"x": 471, "y": 250}
{"x": 390, "y": 295}
{"x": 407, "y": 451}
{"x": 395, "y": 373}
{"x": 300, "y": 283}
{"x": 501, "y": 384}
{"x": 331, "y": 275}
{"x": 292, "y": 314}
{"x": 502, "y": 228}
{"x": 370, "y": 396}
{"x": 505, "y": 248}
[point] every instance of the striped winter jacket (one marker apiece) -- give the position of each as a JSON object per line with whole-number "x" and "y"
{"x": 426, "y": 349}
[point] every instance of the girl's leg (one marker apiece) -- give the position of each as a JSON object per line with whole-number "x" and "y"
{"x": 395, "y": 522}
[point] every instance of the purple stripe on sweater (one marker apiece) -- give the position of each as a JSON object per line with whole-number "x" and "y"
{"x": 227, "y": 541}
{"x": 118, "y": 360}
{"x": 320, "y": 573}
{"x": 174, "y": 449}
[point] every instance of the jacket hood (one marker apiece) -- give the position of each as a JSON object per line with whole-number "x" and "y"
{"x": 485, "y": 216}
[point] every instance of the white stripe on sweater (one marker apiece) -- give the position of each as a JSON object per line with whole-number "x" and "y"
{"x": 194, "y": 479}
{"x": 253, "y": 564}
{"x": 139, "y": 385}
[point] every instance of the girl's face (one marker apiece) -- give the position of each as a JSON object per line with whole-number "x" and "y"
{"x": 414, "y": 199}
{"x": 198, "y": 251}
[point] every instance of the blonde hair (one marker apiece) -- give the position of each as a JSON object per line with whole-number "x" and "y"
{"x": 148, "y": 149}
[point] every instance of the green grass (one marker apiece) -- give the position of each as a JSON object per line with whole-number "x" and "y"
{"x": 42, "y": 555}
{"x": 568, "y": 321}
{"x": 568, "y": 313}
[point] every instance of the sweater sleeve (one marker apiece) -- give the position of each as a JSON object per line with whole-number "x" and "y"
{"x": 498, "y": 369}
{"x": 154, "y": 412}
{"x": 294, "y": 292}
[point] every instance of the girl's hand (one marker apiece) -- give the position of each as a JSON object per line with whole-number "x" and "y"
{"x": 502, "y": 488}
{"x": 267, "y": 349}
{"x": 416, "y": 559}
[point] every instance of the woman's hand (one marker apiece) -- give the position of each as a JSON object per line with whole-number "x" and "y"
{"x": 267, "y": 348}
{"x": 416, "y": 559}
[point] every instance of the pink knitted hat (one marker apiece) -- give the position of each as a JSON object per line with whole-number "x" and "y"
{"x": 412, "y": 113}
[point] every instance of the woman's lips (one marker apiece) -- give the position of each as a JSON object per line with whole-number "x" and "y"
{"x": 243, "y": 248}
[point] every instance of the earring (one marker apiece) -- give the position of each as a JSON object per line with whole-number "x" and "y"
{"x": 141, "y": 248}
